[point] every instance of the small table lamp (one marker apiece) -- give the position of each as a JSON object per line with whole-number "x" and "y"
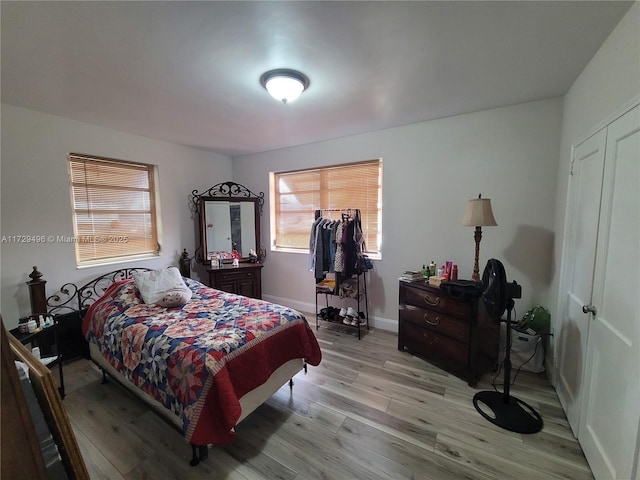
{"x": 478, "y": 215}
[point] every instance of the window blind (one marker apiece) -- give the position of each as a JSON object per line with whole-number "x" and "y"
{"x": 298, "y": 194}
{"x": 114, "y": 211}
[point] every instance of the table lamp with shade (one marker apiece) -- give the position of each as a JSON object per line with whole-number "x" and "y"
{"x": 478, "y": 214}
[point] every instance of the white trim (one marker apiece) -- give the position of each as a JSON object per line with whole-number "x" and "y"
{"x": 120, "y": 260}
{"x": 387, "y": 324}
{"x": 305, "y": 251}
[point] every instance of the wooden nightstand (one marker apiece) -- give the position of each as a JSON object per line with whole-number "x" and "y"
{"x": 63, "y": 341}
{"x": 47, "y": 340}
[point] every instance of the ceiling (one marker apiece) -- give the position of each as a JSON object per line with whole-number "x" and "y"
{"x": 188, "y": 72}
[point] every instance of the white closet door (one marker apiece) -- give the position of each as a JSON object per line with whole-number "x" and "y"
{"x": 611, "y": 410}
{"x": 584, "y": 208}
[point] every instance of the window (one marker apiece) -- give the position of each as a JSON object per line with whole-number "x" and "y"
{"x": 296, "y": 195}
{"x": 114, "y": 209}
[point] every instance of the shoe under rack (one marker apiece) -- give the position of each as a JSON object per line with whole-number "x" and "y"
{"x": 348, "y": 316}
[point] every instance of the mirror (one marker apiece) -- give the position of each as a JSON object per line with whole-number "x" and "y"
{"x": 229, "y": 222}
{"x": 229, "y": 225}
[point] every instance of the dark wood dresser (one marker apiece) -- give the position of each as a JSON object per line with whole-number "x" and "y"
{"x": 457, "y": 335}
{"x": 245, "y": 279}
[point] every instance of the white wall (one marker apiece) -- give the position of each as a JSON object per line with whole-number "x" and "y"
{"x": 608, "y": 83}
{"x": 36, "y": 196}
{"x": 430, "y": 170}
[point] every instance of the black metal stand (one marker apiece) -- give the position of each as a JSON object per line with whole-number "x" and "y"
{"x": 359, "y": 297}
{"x": 508, "y": 412}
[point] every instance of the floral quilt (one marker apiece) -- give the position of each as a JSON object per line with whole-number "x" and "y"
{"x": 200, "y": 359}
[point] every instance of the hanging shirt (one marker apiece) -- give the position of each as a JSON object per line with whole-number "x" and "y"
{"x": 312, "y": 244}
{"x": 332, "y": 247}
{"x": 321, "y": 239}
{"x": 339, "y": 258}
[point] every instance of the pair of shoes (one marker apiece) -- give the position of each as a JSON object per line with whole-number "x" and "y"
{"x": 328, "y": 313}
{"x": 350, "y": 316}
{"x": 347, "y": 315}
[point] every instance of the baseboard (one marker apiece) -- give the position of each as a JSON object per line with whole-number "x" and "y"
{"x": 306, "y": 307}
{"x": 302, "y": 306}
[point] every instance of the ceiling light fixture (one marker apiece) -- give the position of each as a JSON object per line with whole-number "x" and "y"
{"x": 283, "y": 84}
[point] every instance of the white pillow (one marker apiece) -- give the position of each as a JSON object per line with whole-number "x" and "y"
{"x": 175, "y": 297}
{"x": 154, "y": 283}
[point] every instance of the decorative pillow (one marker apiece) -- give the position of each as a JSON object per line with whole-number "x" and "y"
{"x": 175, "y": 297}
{"x": 154, "y": 283}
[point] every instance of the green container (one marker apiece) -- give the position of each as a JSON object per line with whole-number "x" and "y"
{"x": 537, "y": 319}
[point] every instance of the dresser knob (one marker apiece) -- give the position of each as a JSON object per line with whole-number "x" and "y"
{"x": 428, "y": 301}
{"x": 431, "y": 322}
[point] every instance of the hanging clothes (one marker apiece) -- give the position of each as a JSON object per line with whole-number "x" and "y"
{"x": 338, "y": 264}
{"x": 349, "y": 248}
{"x": 322, "y": 247}
{"x": 337, "y": 246}
{"x": 353, "y": 246}
{"x": 313, "y": 244}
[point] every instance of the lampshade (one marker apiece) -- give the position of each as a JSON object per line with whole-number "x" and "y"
{"x": 479, "y": 213}
{"x": 284, "y": 85}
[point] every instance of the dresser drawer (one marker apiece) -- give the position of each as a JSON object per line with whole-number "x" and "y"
{"x": 244, "y": 279}
{"x": 445, "y": 351}
{"x": 436, "y": 321}
{"x": 434, "y": 300}
{"x": 235, "y": 276}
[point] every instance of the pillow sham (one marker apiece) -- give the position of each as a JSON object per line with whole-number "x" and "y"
{"x": 155, "y": 283}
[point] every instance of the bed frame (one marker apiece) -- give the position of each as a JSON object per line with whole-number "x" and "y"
{"x": 74, "y": 300}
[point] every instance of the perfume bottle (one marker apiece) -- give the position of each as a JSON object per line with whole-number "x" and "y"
{"x": 432, "y": 268}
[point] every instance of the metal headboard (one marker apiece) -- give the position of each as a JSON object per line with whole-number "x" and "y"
{"x": 72, "y": 298}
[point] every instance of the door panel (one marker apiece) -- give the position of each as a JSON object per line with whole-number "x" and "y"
{"x": 584, "y": 208}
{"x": 611, "y": 410}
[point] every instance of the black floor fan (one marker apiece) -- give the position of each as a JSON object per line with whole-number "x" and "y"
{"x": 507, "y": 411}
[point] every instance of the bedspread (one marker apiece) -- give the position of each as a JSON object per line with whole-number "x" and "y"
{"x": 200, "y": 359}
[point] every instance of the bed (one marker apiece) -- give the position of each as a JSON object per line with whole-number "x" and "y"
{"x": 207, "y": 363}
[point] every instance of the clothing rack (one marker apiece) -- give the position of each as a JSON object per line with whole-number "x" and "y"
{"x": 349, "y": 211}
{"x": 341, "y": 283}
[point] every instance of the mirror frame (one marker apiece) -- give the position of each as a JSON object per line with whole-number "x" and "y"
{"x": 226, "y": 192}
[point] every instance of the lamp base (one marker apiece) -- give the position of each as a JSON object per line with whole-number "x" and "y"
{"x": 477, "y": 236}
{"x": 509, "y": 412}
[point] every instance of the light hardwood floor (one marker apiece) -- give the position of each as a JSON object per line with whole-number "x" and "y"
{"x": 367, "y": 412}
